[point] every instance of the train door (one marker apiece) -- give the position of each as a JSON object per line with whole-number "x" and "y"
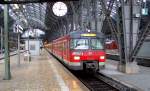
{"x": 65, "y": 50}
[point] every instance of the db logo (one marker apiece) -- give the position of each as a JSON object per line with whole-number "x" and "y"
{"x": 89, "y": 53}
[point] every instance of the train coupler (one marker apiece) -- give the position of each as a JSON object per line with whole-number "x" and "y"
{"x": 91, "y": 66}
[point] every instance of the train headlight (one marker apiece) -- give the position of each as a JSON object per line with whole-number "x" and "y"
{"x": 76, "y": 58}
{"x": 102, "y": 57}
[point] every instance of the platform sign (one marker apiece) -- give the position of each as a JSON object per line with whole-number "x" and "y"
{"x": 18, "y": 29}
{"x": 145, "y": 11}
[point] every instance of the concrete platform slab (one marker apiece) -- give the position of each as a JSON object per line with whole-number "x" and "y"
{"x": 43, "y": 73}
{"x": 140, "y": 80}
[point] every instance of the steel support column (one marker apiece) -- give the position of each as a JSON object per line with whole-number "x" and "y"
{"x": 93, "y": 15}
{"x": 96, "y": 14}
{"x": 135, "y": 22}
{"x": 72, "y": 22}
{"x": 7, "y": 75}
{"x": 67, "y": 25}
{"x": 100, "y": 22}
{"x": 98, "y": 25}
{"x": 99, "y": 16}
{"x": 122, "y": 63}
{"x": 74, "y": 16}
{"x": 126, "y": 18}
{"x": 89, "y": 22}
{"x": 18, "y": 50}
{"x": 18, "y": 47}
{"x": 130, "y": 25}
{"x": 80, "y": 16}
{"x": 1, "y": 40}
{"x": 130, "y": 18}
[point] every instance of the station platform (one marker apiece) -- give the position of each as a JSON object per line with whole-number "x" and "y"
{"x": 43, "y": 73}
{"x": 139, "y": 81}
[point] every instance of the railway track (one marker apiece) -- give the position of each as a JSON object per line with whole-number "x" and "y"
{"x": 93, "y": 83}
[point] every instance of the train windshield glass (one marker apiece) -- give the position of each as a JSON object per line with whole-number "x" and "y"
{"x": 96, "y": 44}
{"x": 80, "y": 44}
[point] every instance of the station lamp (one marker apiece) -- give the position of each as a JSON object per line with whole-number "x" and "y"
{"x": 24, "y": 6}
{"x": 144, "y": 9}
{"x": 144, "y": 0}
{"x": 15, "y": 6}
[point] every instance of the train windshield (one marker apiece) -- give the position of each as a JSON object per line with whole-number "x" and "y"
{"x": 80, "y": 44}
{"x": 86, "y": 44}
{"x": 96, "y": 44}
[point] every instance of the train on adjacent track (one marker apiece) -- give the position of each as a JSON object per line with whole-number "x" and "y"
{"x": 80, "y": 50}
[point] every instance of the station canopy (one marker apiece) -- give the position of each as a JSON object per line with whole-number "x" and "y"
{"x": 28, "y": 15}
{"x": 34, "y": 14}
{"x": 38, "y": 14}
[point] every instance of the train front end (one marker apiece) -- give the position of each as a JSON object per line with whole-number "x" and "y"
{"x": 87, "y": 51}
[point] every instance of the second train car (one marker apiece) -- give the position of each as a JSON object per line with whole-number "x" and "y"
{"x": 80, "y": 50}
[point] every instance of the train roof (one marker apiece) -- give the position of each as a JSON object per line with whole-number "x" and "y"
{"x": 79, "y": 34}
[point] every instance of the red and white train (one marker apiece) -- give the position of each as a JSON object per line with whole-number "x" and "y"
{"x": 80, "y": 50}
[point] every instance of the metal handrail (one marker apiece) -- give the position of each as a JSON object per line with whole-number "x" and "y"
{"x": 1, "y": 58}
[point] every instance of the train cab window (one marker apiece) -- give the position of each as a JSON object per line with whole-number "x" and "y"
{"x": 96, "y": 44}
{"x": 79, "y": 44}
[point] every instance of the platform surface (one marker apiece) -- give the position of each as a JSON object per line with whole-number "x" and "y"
{"x": 140, "y": 80}
{"x": 43, "y": 73}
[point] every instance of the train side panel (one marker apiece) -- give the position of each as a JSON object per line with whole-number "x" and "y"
{"x": 61, "y": 49}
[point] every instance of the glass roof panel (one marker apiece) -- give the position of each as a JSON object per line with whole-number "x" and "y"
{"x": 32, "y": 10}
